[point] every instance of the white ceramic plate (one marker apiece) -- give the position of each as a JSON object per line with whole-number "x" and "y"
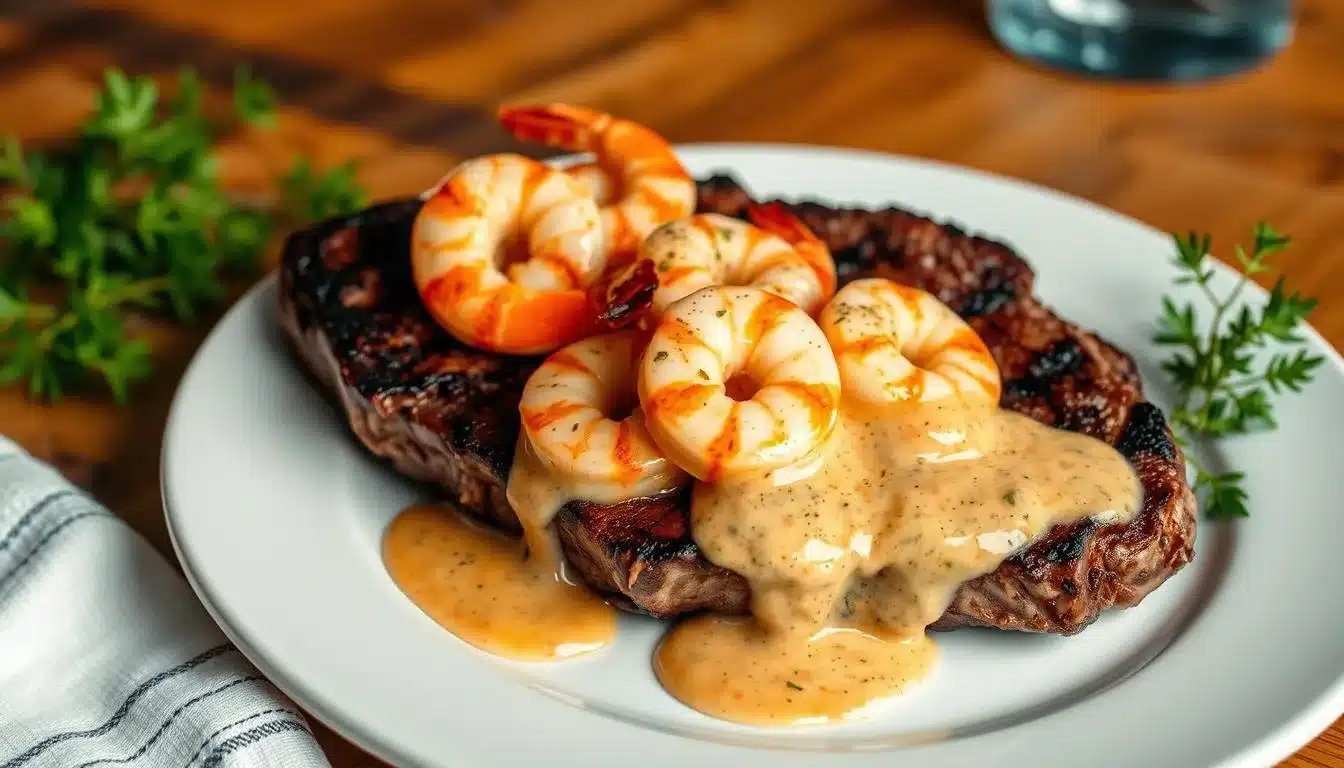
{"x": 277, "y": 512}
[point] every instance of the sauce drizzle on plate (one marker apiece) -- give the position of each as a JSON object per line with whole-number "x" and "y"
{"x": 732, "y": 668}
{"x": 479, "y": 585}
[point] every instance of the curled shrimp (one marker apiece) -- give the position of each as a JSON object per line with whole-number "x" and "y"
{"x": 776, "y": 253}
{"x": 704, "y": 346}
{"x": 469, "y": 218}
{"x": 567, "y": 412}
{"x": 637, "y": 176}
{"x": 898, "y": 344}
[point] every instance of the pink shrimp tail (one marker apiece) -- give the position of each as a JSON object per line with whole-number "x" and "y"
{"x": 554, "y": 125}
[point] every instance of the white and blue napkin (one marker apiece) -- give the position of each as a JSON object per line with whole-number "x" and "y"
{"x": 106, "y": 658}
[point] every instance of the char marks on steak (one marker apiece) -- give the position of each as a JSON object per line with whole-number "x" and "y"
{"x": 445, "y": 413}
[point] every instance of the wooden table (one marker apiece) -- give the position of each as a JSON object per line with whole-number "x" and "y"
{"x": 408, "y": 87}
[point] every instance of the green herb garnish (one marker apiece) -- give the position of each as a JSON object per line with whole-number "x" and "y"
{"x": 309, "y": 195}
{"x": 130, "y": 216}
{"x": 1221, "y": 391}
{"x": 793, "y": 685}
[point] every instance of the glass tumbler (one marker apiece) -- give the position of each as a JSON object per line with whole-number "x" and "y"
{"x": 1177, "y": 40}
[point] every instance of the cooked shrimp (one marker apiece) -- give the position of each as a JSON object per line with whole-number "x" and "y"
{"x": 708, "y": 344}
{"x": 898, "y": 344}
{"x": 567, "y": 413}
{"x": 780, "y": 255}
{"x": 467, "y": 221}
{"x": 595, "y": 181}
{"x": 642, "y": 183}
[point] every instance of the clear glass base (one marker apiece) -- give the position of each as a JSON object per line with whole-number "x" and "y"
{"x": 1181, "y": 40}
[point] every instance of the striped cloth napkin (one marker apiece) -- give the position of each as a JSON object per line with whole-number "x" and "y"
{"x": 106, "y": 658}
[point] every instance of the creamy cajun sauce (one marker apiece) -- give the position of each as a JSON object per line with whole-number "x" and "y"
{"x": 503, "y": 596}
{"x": 852, "y": 554}
{"x": 479, "y": 585}
{"x": 735, "y": 669}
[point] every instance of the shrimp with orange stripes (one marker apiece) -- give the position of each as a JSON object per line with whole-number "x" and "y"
{"x": 568, "y": 408}
{"x": 776, "y": 253}
{"x": 637, "y": 178}
{"x": 897, "y": 344}
{"x": 469, "y": 219}
{"x": 695, "y": 401}
{"x": 595, "y": 181}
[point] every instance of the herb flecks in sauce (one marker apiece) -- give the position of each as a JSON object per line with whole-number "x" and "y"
{"x": 731, "y": 669}
{"x": 478, "y": 585}
{"x": 849, "y": 563}
{"x": 510, "y": 598}
{"x": 850, "y": 554}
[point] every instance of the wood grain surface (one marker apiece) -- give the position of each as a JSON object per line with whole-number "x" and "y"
{"x": 408, "y": 87}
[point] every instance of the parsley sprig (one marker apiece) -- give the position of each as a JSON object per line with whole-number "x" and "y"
{"x": 1222, "y": 391}
{"x": 130, "y": 216}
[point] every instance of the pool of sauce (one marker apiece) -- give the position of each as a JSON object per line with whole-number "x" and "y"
{"x": 852, "y": 554}
{"x": 735, "y": 669}
{"x": 507, "y": 597}
{"x": 487, "y": 589}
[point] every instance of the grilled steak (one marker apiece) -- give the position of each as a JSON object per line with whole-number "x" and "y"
{"x": 445, "y": 413}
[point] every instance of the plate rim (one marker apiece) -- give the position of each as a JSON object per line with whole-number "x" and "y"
{"x": 350, "y": 731}
{"x": 1275, "y": 745}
